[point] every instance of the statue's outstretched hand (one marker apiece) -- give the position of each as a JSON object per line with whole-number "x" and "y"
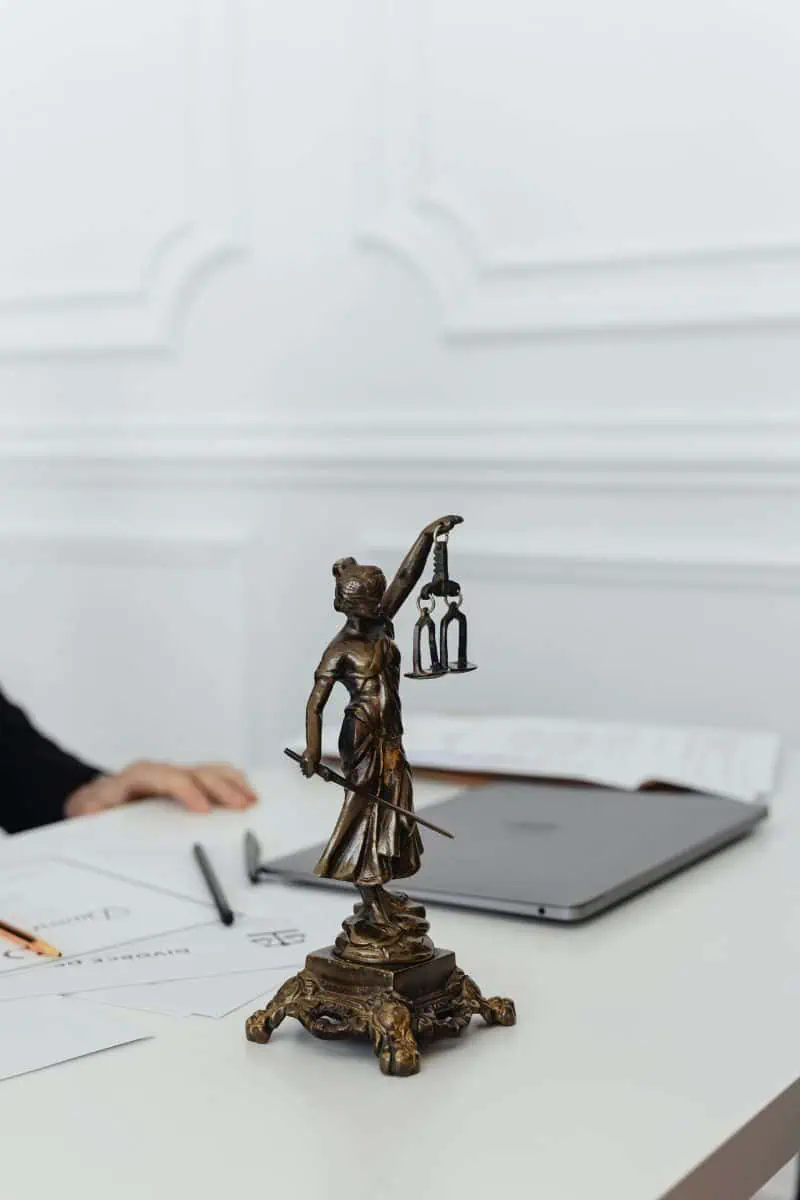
{"x": 443, "y": 524}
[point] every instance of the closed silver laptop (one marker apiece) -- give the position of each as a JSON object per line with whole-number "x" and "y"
{"x": 557, "y": 852}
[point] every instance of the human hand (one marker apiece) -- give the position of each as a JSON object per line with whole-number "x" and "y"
{"x": 443, "y": 524}
{"x": 309, "y": 763}
{"x": 198, "y": 788}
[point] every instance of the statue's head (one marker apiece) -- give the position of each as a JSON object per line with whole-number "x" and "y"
{"x": 359, "y": 588}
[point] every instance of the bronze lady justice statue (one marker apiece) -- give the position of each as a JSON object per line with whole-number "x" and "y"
{"x": 383, "y": 977}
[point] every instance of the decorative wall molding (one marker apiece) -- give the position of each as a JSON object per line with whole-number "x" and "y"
{"x": 634, "y": 563}
{"x": 426, "y": 223}
{"x": 605, "y": 449}
{"x": 140, "y": 315}
{"x": 124, "y": 544}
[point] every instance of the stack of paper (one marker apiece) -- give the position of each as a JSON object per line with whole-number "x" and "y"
{"x": 726, "y": 762}
{"x": 130, "y": 945}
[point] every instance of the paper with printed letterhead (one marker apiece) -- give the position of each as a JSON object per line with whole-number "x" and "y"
{"x": 196, "y": 955}
{"x": 80, "y": 909}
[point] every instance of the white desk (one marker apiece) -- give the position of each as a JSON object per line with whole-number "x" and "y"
{"x": 657, "y": 1052}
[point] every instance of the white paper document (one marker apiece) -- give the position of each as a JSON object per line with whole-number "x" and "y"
{"x": 276, "y": 945}
{"x": 726, "y": 762}
{"x": 80, "y": 909}
{"x": 214, "y": 997}
{"x": 39, "y": 1033}
{"x": 191, "y": 954}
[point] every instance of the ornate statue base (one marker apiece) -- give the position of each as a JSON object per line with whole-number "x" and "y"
{"x": 397, "y": 1005}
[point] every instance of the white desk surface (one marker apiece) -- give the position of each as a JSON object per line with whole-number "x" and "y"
{"x": 657, "y": 1051}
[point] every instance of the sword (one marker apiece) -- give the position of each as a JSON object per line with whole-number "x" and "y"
{"x": 331, "y": 776}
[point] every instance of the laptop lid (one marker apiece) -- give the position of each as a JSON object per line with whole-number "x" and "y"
{"x": 558, "y": 852}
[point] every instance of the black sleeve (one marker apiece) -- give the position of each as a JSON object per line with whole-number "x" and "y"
{"x": 36, "y": 775}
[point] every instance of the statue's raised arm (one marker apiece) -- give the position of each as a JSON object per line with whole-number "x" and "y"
{"x": 412, "y": 566}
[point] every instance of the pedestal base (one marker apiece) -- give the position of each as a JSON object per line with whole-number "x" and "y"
{"x": 395, "y": 1006}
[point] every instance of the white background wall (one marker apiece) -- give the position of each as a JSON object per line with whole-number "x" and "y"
{"x": 281, "y": 282}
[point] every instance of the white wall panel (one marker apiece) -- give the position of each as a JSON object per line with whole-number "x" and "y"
{"x": 119, "y": 133}
{"x": 571, "y": 166}
{"x": 583, "y": 336}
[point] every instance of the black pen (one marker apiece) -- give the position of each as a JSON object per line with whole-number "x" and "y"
{"x": 252, "y": 858}
{"x": 223, "y": 908}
